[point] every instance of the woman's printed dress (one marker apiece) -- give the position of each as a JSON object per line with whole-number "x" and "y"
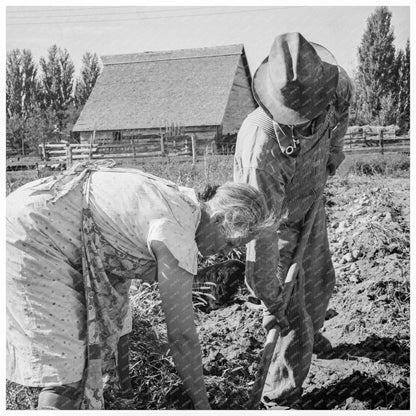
{"x": 73, "y": 245}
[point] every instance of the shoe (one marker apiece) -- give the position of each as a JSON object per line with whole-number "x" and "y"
{"x": 321, "y": 344}
{"x": 282, "y": 406}
{"x": 277, "y": 407}
{"x": 127, "y": 397}
{"x": 291, "y": 401}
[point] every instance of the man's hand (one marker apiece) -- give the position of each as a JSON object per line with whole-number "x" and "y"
{"x": 271, "y": 320}
{"x": 335, "y": 159}
{"x": 331, "y": 168}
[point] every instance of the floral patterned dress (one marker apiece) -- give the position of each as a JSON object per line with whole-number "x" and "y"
{"x": 73, "y": 245}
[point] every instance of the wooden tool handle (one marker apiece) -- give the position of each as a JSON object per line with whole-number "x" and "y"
{"x": 264, "y": 365}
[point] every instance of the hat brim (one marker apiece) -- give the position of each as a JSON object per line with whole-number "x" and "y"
{"x": 276, "y": 109}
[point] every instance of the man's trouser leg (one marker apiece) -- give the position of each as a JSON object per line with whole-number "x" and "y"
{"x": 319, "y": 270}
{"x": 292, "y": 355}
{"x": 305, "y": 312}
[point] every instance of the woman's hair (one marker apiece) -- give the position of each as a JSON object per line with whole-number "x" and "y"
{"x": 241, "y": 209}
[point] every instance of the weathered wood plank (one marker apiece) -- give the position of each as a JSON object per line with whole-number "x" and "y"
{"x": 125, "y": 155}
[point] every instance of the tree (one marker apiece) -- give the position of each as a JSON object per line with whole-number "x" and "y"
{"x": 90, "y": 71}
{"x": 376, "y": 69}
{"x": 388, "y": 109}
{"x": 22, "y": 92}
{"x": 358, "y": 110}
{"x": 22, "y": 87}
{"x": 24, "y": 134}
{"x": 403, "y": 99}
{"x": 57, "y": 82}
{"x": 15, "y": 133}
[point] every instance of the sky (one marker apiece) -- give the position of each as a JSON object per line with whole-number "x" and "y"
{"x": 107, "y": 29}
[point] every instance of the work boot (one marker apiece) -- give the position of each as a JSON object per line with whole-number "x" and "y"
{"x": 290, "y": 401}
{"x": 321, "y": 344}
{"x": 277, "y": 407}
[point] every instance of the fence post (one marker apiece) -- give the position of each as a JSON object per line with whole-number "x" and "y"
{"x": 162, "y": 145}
{"x": 381, "y": 141}
{"x": 68, "y": 156}
{"x": 43, "y": 151}
{"x": 193, "y": 144}
{"x": 134, "y": 149}
{"x": 91, "y": 143}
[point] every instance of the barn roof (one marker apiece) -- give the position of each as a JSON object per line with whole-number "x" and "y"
{"x": 145, "y": 90}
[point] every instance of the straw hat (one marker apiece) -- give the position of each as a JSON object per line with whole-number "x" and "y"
{"x": 296, "y": 81}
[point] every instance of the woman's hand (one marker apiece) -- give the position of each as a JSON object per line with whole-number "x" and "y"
{"x": 175, "y": 286}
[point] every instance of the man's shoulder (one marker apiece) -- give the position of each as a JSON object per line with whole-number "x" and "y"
{"x": 258, "y": 119}
{"x": 345, "y": 87}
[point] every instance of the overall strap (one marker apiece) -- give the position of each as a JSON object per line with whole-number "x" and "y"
{"x": 262, "y": 120}
{"x": 289, "y": 146}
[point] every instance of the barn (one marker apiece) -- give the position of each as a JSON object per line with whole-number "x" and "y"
{"x": 204, "y": 91}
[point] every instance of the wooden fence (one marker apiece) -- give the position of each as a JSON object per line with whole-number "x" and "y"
{"x": 376, "y": 142}
{"x": 155, "y": 146}
{"x": 146, "y": 147}
{"x": 354, "y": 142}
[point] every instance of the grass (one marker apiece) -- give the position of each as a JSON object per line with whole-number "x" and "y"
{"x": 391, "y": 164}
{"x": 216, "y": 169}
{"x": 212, "y": 169}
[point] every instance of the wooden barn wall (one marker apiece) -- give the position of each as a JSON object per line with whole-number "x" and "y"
{"x": 85, "y": 136}
{"x": 240, "y": 102}
{"x": 205, "y": 136}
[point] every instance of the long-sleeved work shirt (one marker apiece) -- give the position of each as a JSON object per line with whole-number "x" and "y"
{"x": 290, "y": 184}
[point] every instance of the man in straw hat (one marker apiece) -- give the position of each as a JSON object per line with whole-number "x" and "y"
{"x": 286, "y": 148}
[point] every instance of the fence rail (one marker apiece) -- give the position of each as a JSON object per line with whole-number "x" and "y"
{"x": 354, "y": 142}
{"x": 365, "y": 142}
{"x": 375, "y": 142}
{"x": 148, "y": 147}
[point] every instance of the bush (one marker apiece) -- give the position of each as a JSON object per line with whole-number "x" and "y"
{"x": 397, "y": 164}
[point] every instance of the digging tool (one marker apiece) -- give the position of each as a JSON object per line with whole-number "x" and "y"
{"x": 294, "y": 273}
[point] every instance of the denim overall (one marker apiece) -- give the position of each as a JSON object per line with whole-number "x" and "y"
{"x": 292, "y": 175}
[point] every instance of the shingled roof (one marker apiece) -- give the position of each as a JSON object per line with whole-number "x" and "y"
{"x": 137, "y": 91}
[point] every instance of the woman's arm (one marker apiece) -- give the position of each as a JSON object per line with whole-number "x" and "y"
{"x": 175, "y": 286}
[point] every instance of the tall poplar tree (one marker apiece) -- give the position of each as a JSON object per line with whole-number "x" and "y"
{"x": 22, "y": 93}
{"x": 376, "y": 69}
{"x": 22, "y": 88}
{"x": 90, "y": 71}
{"x": 403, "y": 100}
{"x": 57, "y": 82}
